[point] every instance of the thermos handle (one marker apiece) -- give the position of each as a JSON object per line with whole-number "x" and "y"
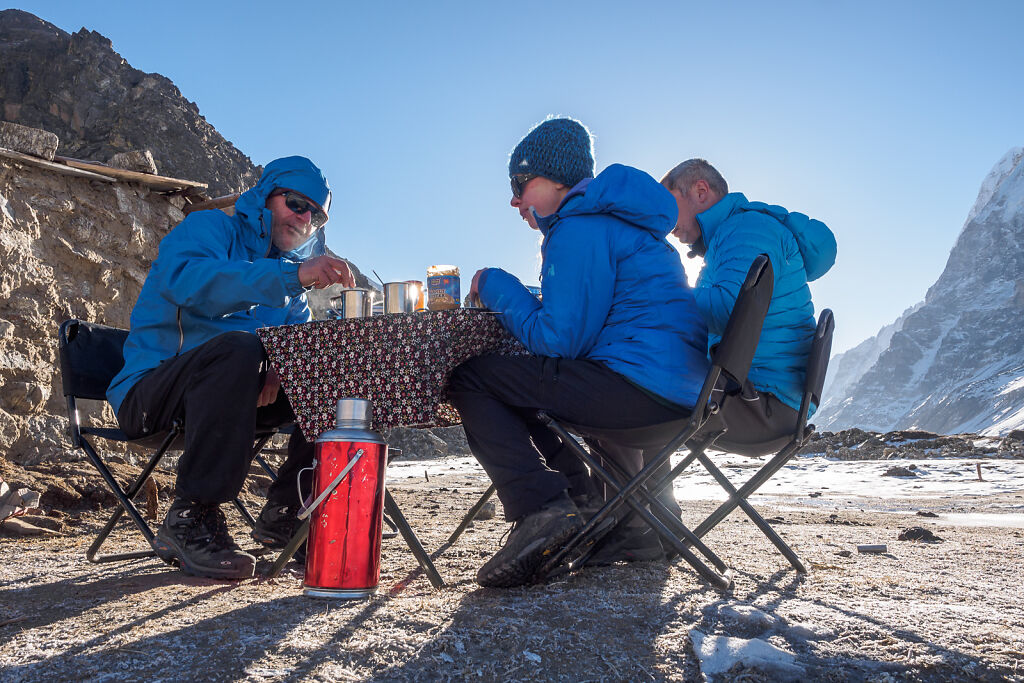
{"x": 330, "y": 487}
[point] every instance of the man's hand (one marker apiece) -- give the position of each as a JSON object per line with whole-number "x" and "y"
{"x": 474, "y": 287}
{"x": 270, "y": 387}
{"x": 324, "y": 271}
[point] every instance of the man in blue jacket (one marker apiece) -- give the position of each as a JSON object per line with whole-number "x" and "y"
{"x": 730, "y": 232}
{"x": 617, "y": 338}
{"x": 191, "y": 355}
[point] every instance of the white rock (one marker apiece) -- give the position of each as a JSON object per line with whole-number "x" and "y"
{"x": 718, "y": 654}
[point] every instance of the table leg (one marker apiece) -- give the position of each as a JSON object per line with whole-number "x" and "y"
{"x": 391, "y": 507}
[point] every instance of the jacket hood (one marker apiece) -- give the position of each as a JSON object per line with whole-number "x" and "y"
{"x": 815, "y": 240}
{"x": 627, "y": 193}
{"x": 292, "y": 173}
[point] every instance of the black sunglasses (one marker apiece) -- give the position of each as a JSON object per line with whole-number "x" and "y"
{"x": 298, "y": 204}
{"x": 519, "y": 181}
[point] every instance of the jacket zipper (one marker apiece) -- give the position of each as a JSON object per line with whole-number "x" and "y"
{"x": 263, "y": 235}
{"x": 181, "y": 334}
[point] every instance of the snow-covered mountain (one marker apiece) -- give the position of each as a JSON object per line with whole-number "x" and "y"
{"x": 954, "y": 362}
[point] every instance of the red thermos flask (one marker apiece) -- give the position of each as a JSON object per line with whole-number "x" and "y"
{"x": 343, "y": 552}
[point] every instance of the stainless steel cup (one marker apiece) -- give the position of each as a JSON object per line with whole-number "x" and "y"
{"x": 400, "y": 297}
{"x": 352, "y": 303}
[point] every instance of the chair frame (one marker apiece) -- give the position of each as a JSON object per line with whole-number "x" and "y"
{"x": 734, "y": 362}
{"x": 163, "y": 442}
{"x": 817, "y": 367}
{"x": 732, "y": 358}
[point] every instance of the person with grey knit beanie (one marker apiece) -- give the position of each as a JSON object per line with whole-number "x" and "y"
{"x": 616, "y": 341}
{"x": 559, "y": 153}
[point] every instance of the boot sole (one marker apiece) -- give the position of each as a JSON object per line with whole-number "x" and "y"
{"x": 173, "y": 555}
{"x": 520, "y": 570}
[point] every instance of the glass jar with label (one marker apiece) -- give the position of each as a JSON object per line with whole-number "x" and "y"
{"x": 443, "y": 288}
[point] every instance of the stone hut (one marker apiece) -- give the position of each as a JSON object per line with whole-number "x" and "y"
{"x": 76, "y": 240}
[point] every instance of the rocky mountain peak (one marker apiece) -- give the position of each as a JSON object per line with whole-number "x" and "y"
{"x": 77, "y": 86}
{"x": 1002, "y": 171}
{"x": 956, "y": 363}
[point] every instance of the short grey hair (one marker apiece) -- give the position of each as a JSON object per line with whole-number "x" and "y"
{"x": 683, "y": 176}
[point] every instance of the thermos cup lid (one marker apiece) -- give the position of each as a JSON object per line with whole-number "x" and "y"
{"x": 354, "y": 412}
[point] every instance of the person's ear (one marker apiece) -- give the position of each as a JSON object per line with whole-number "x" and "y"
{"x": 701, "y": 191}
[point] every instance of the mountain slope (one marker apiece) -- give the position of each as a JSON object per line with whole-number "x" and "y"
{"x": 956, "y": 363}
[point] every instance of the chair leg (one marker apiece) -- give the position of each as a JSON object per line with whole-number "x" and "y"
{"x": 256, "y": 450}
{"x": 125, "y": 500}
{"x": 471, "y": 515}
{"x": 739, "y": 498}
{"x": 755, "y": 482}
{"x": 625, "y": 495}
{"x": 391, "y": 507}
{"x": 246, "y": 515}
{"x": 263, "y": 463}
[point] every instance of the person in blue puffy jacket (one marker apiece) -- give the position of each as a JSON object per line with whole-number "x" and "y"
{"x": 730, "y": 232}
{"x": 191, "y": 355}
{"x": 616, "y": 337}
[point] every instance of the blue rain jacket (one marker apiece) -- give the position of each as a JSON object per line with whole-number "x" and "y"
{"x": 801, "y": 250}
{"x": 216, "y": 273}
{"x": 613, "y": 288}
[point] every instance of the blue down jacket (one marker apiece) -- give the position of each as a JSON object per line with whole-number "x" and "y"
{"x": 613, "y": 288}
{"x": 216, "y": 273}
{"x": 801, "y": 250}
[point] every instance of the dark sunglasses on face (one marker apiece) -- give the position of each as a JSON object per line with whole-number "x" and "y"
{"x": 298, "y": 204}
{"x": 519, "y": 181}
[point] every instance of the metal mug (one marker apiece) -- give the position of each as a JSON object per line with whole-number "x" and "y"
{"x": 352, "y": 303}
{"x": 400, "y": 297}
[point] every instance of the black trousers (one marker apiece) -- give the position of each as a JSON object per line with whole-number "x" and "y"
{"x": 214, "y": 388}
{"x": 758, "y": 423}
{"x": 498, "y": 397}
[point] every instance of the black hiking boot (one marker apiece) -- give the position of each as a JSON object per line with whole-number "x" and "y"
{"x": 627, "y": 544}
{"x": 276, "y": 525}
{"x": 195, "y": 537}
{"x": 533, "y": 538}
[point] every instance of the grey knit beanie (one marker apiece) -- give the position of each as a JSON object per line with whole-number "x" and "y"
{"x": 558, "y": 149}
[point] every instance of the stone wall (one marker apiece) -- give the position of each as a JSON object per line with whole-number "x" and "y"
{"x": 69, "y": 247}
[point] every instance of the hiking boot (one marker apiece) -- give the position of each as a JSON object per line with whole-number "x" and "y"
{"x": 195, "y": 537}
{"x": 275, "y": 527}
{"x": 276, "y": 524}
{"x": 588, "y": 504}
{"x": 627, "y": 544}
{"x": 533, "y": 538}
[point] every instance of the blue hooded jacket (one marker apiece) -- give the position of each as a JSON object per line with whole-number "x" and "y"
{"x": 216, "y": 273}
{"x": 613, "y": 288}
{"x": 801, "y": 250}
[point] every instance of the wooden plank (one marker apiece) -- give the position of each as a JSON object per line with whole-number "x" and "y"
{"x": 49, "y": 165}
{"x": 157, "y": 182}
{"x": 225, "y": 202}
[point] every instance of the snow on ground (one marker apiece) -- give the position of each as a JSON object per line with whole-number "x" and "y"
{"x": 810, "y": 480}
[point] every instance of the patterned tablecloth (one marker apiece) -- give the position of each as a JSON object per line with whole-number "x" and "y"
{"x": 401, "y": 362}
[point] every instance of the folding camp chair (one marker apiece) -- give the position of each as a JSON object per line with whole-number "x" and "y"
{"x": 817, "y": 366}
{"x": 731, "y": 359}
{"x": 90, "y": 356}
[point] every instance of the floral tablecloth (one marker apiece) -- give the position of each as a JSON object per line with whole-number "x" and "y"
{"x": 401, "y": 362}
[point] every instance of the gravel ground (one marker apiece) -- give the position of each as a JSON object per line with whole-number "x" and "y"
{"x": 940, "y": 611}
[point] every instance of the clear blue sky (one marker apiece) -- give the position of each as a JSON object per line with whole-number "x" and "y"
{"x": 880, "y": 118}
